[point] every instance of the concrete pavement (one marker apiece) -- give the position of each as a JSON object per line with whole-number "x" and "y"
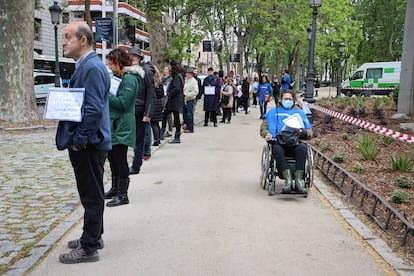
{"x": 197, "y": 209}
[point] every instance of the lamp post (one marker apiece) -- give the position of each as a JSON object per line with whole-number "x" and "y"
{"x": 314, "y": 4}
{"x": 339, "y": 80}
{"x": 309, "y": 32}
{"x": 55, "y": 11}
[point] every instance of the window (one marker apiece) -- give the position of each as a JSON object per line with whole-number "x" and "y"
{"x": 37, "y": 5}
{"x": 65, "y": 18}
{"x": 357, "y": 75}
{"x": 375, "y": 73}
{"x": 77, "y": 16}
{"x": 37, "y": 25}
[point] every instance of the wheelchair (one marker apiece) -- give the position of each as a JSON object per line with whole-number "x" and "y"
{"x": 269, "y": 174}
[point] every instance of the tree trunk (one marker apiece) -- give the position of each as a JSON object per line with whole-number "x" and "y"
{"x": 87, "y": 14}
{"x": 17, "y": 101}
{"x": 157, "y": 35}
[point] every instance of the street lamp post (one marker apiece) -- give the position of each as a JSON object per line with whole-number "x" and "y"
{"x": 55, "y": 11}
{"x": 339, "y": 80}
{"x": 314, "y": 4}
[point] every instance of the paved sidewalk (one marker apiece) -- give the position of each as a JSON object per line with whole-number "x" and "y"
{"x": 197, "y": 209}
{"x": 40, "y": 198}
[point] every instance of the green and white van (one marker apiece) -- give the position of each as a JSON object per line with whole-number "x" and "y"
{"x": 376, "y": 78}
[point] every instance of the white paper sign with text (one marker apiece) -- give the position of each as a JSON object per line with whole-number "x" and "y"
{"x": 64, "y": 104}
{"x": 115, "y": 82}
{"x": 209, "y": 90}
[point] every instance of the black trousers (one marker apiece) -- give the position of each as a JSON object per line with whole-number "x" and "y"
{"x": 88, "y": 165}
{"x": 212, "y": 115}
{"x": 118, "y": 161}
{"x": 155, "y": 126}
{"x": 299, "y": 152}
{"x": 177, "y": 122}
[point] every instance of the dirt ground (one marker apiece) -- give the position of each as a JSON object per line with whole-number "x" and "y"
{"x": 335, "y": 137}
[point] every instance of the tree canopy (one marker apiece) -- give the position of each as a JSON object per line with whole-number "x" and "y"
{"x": 272, "y": 35}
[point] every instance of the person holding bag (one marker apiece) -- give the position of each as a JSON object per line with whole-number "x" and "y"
{"x": 227, "y": 99}
{"x": 285, "y": 139}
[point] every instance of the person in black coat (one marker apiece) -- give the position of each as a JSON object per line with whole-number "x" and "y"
{"x": 175, "y": 102}
{"x": 211, "y": 91}
{"x": 245, "y": 94}
{"x": 143, "y": 106}
{"x": 158, "y": 107}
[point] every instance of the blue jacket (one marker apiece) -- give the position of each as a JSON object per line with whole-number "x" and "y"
{"x": 265, "y": 89}
{"x": 286, "y": 81}
{"x": 276, "y": 115}
{"x": 94, "y": 130}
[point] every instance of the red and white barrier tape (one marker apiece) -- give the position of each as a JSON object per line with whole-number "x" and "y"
{"x": 367, "y": 125}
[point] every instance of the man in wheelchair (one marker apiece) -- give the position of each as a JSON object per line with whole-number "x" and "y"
{"x": 283, "y": 126}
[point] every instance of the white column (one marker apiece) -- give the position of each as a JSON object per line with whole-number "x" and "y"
{"x": 405, "y": 96}
{"x": 104, "y": 41}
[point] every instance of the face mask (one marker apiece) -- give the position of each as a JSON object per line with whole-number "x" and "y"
{"x": 287, "y": 104}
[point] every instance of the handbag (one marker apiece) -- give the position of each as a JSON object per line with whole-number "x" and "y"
{"x": 224, "y": 100}
{"x": 287, "y": 139}
{"x": 267, "y": 98}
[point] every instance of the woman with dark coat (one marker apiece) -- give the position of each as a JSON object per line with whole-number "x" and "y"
{"x": 158, "y": 107}
{"x": 175, "y": 101}
{"x": 122, "y": 116}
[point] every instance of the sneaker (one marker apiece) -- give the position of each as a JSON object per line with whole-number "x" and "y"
{"x": 188, "y": 131}
{"x": 78, "y": 255}
{"x": 76, "y": 243}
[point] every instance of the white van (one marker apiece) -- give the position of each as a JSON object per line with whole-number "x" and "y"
{"x": 42, "y": 82}
{"x": 375, "y": 78}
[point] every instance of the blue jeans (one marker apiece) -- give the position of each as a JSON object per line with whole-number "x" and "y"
{"x": 147, "y": 140}
{"x": 189, "y": 115}
{"x": 263, "y": 108}
{"x": 139, "y": 143}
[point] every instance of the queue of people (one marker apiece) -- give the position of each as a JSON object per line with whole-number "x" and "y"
{"x": 126, "y": 112}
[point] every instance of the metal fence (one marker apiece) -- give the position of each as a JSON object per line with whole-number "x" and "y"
{"x": 375, "y": 206}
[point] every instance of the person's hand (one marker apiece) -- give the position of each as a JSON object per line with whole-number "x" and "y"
{"x": 73, "y": 147}
{"x": 146, "y": 119}
{"x": 268, "y": 137}
{"x": 299, "y": 131}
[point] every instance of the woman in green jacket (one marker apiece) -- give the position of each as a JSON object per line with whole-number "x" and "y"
{"x": 124, "y": 88}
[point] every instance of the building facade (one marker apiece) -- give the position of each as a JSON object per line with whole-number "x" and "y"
{"x": 131, "y": 24}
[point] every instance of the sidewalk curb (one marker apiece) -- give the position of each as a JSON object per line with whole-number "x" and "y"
{"x": 364, "y": 232}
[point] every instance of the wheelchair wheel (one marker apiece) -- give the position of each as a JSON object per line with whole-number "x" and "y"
{"x": 264, "y": 166}
{"x": 309, "y": 170}
{"x": 271, "y": 178}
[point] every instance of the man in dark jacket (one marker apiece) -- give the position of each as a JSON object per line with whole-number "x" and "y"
{"x": 143, "y": 106}
{"x": 211, "y": 91}
{"x": 88, "y": 141}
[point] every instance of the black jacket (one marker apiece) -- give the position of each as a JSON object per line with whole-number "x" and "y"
{"x": 158, "y": 108}
{"x": 176, "y": 94}
{"x": 146, "y": 93}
